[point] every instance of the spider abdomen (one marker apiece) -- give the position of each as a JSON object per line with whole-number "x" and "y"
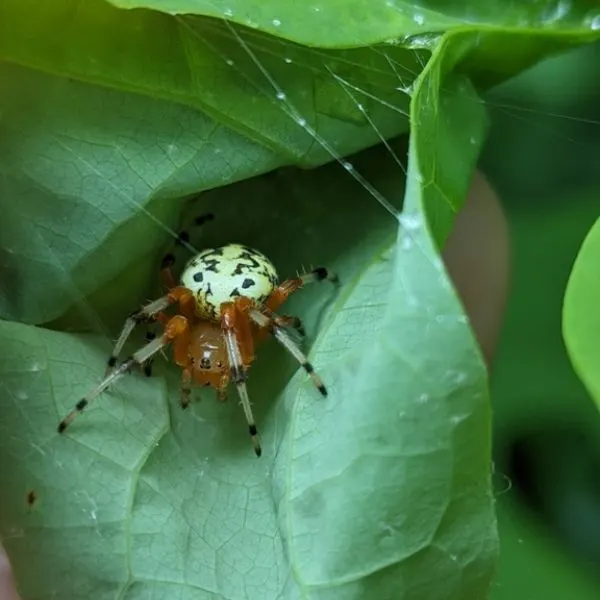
{"x": 218, "y": 275}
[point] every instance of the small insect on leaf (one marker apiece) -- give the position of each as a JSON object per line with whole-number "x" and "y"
{"x": 31, "y": 498}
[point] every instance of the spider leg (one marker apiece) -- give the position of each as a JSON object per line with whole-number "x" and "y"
{"x": 288, "y": 343}
{"x": 317, "y": 275}
{"x": 230, "y": 321}
{"x": 260, "y": 333}
{"x": 181, "y": 356}
{"x": 282, "y": 292}
{"x": 287, "y": 321}
{"x": 139, "y": 357}
{"x": 147, "y": 366}
{"x": 147, "y": 313}
{"x": 183, "y": 239}
{"x": 166, "y": 272}
{"x": 186, "y": 387}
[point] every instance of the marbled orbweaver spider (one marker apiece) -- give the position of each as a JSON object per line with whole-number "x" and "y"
{"x": 226, "y": 300}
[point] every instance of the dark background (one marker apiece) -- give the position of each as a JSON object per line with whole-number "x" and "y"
{"x": 543, "y": 158}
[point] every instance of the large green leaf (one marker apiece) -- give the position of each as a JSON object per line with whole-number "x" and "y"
{"x": 110, "y": 120}
{"x": 266, "y": 87}
{"x": 260, "y": 85}
{"x": 371, "y": 21}
{"x": 107, "y": 135}
{"x": 381, "y": 490}
{"x": 83, "y": 196}
{"x": 581, "y": 313}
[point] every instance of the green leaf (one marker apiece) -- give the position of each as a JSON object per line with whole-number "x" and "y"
{"x": 581, "y": 315}
{"x": 83, "y": 194}
{"x": 235, "y": 76}
{"x": 371, "y": 21}
{"x": 114, "y": 143}
{"x": 380, "y": 489}
{"x": 112, "y": 120}
{"x": 445, "y": 109}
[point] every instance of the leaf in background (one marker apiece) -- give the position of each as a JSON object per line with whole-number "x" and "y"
{"x": 545, "y": 542}
{"x": 107, "y": 157}
{"x": 91, "y": 180}
{"x": 534, "y": 564}
{"x": 235, "y": 76}
{"x": 581, "y": 313}
{"x": 368, "y": 22}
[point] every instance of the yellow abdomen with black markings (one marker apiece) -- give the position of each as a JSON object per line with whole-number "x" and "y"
{"x": 218, "y": 275}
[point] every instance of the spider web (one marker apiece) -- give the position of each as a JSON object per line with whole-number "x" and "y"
{"x": 173, "y": 498}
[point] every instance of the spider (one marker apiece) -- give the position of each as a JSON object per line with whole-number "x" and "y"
{"x": 226, "y": 300}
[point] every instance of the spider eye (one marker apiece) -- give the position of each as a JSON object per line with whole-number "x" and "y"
{"x": 219, "y": 364}
{"x": 205, "y": 363}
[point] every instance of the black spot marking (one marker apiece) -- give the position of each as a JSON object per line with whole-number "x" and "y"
{"x": 147, "y": 368}
{"x": 31, "y": 498}
{"x": 252, "y": 429}
{"x": 213, "y": 252}
{"x": 322, "y": 389}
{"x": 140, "y": 317}
{"x": 298, "y": 326}
{"x": 234, "y": 293}
{"x": 81, "y": 404}
{"x": 308, "y": 367}
{"x": 130, "y": 362}
{"x": 208, "y": 291}
{"x": 150, "y": 335}
{"x": 167, "y": 261}
{"x": 112, "y": 361}
{"x": 238, "y": 374}
{"x": 239, "y": 269}
{"x": 254, "y": 264}
{"x": 205, "y": 363}
{"x": 202, "y": 219}
{"x": 210, "y": 264}
{"x": 198, "y": 277}
{"x": 248, "y": 283}
{"x": 62, "y": 426}
{"x": 320, "y": 273}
